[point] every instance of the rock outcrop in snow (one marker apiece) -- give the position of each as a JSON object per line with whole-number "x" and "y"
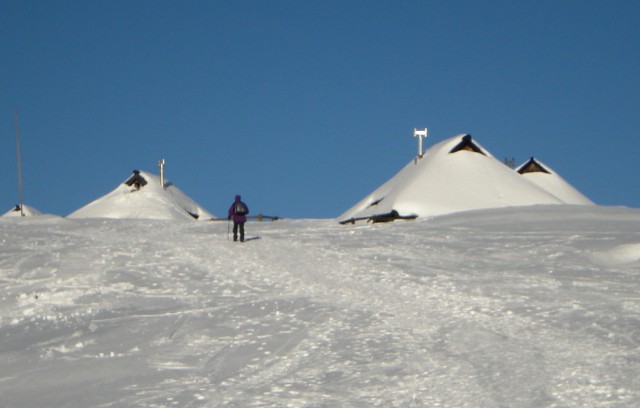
{"x": 142, "y": 196}
{"x": 456, "y": 175}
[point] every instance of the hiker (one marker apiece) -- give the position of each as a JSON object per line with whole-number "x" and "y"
{"x": 238, "y": 211}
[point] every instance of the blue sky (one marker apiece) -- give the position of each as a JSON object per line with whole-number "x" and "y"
{"x": 304, "y": 107}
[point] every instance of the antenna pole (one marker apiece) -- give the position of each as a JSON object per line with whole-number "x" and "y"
{"x": 161, "y": 165}
{"x": 420, "y": 134}
{"x": 19, "y": 164}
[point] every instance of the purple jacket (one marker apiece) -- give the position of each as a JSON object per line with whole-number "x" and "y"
{"x": 232, "y": 211}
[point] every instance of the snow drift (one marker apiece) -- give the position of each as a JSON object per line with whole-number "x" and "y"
{"x": 142, "y": 196}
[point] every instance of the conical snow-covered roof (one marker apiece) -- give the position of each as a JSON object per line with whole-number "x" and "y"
{"x": 26, "y": 210}
{"x": 455, "y": 175}
{"x": 142, "y": 196}
{"x": 544, "y": 177}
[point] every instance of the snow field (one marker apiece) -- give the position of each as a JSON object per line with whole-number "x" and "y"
{"x": 525, "y": 307}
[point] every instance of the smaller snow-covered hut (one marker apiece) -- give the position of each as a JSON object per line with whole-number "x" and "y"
{"x": 457, "y": 174}
{"x": 544, "y": 177}
{"x": 26, "y": 211}
{"x": 141, "y": 196}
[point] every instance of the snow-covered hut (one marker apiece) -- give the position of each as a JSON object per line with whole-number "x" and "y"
{"x": 143, "y": 196}
{"x": 457, "y": 174}
{"x": 26, "y": 211}
{"x": 543, "y": 176}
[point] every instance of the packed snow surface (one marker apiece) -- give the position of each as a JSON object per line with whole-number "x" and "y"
{"x": 514, "y": 307}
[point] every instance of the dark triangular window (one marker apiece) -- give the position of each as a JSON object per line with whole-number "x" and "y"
{"x": 467, "y": 144}
{"x": 532, "y": 166}
{"x": 136, "y": 180}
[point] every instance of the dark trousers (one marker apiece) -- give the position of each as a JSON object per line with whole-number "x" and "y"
{"x": 240, "y": 226}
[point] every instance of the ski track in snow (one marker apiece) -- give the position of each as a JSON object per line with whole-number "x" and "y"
{"x": 508, "y": 308}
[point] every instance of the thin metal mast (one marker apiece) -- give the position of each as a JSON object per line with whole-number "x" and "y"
{"x": 420, "y": 134}
{"x": 161, "y": 165}
{"x": 19, "y": 164}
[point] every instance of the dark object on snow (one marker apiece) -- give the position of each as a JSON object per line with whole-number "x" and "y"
{"x": 353, "y": 220}
{"x": 532, "y": 166}
{"x": 467, "y": 144}
{"x": 387, "y": 217}
{"x": 378, "y": 201}
{"x": 390, "y": 216}
{"x": 136, "y": 180}
{"x": 259, "y": 218}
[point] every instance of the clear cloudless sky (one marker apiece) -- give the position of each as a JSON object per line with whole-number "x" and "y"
{"x": 304, "y": 107}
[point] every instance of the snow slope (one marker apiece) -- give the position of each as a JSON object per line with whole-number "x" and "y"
{"x": 150, "y": 201}
{"x": 442, "y": 182}
{"x": 513, "y": 307}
